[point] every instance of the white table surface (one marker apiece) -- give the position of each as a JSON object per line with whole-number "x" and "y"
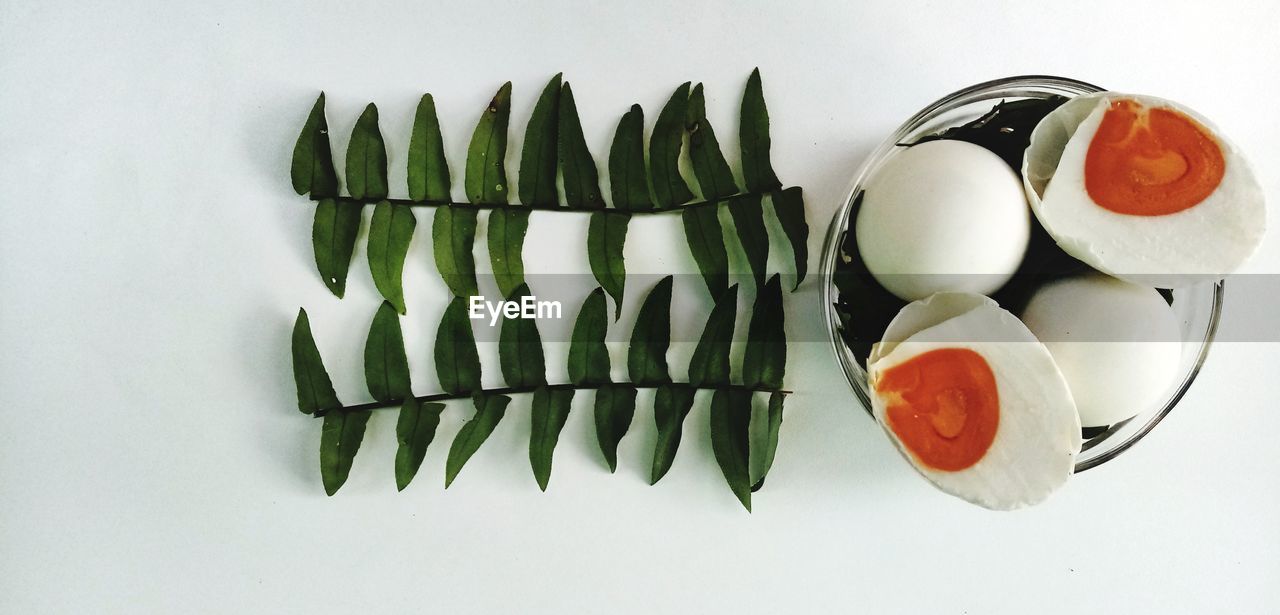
{"x": 153, "y": 256}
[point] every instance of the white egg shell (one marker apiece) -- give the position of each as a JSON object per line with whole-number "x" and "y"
{"x": 943, "y": 216}
{"x": 1117, "y": 344}
{"x": 1204, "y": 242}
{"x": 920, "y": 315}
{"x": 1038, "y": 436}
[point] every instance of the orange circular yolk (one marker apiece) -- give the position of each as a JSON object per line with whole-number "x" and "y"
{"x": 1150, "y": 162}
{"x": 943, "y": 407}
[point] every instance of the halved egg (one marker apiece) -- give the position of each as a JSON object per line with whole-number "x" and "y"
{"x": 974, "y": 402}
{"x": 1143, "y": 189}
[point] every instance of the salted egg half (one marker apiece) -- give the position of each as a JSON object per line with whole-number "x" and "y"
{"x": 1143, "y": 189}
{"x": 974, "y": 401}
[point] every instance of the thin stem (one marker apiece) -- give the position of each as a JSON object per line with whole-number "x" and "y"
{"x": 395, "y": 403}
{"x": 412, "y": 203}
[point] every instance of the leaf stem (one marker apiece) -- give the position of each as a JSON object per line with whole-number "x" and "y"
{"x": 544, "y": 207}
{"x": 395, "y": 403}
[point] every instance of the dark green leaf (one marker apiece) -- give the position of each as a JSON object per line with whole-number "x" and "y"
{"x": 706, "y": 242}
{"x": 550, "y": 411}
{"x": 588, "y": 355}
{"x": 671, "y": 405}
{"x": 606, "y": 235}
{"x": 581, "y": 179}
{"x": 507, "y": 228}
{"x": 453, "y": 236}
{"x": 709, "y": 166}
{"x": 748, "y": 222}
{"x": 312, "y": 168}
{"x": 765, "y": 424}
{"x": 340, "y": 439}
{"x": 627, "y": 180}
{"x": 765, "y": 359}
{"x": 389, "y": 234}
{"x": 615, "y": 406}
{"x": 538, "y": 157}
{"x": 788, "y": 205}
{"x": 730, "y": 423}
{"x": 457, "y": 362}
{"x": 710, "y": 362}
{"x": 414, "y": 431}
{"x": 367, "y": 158}
{"x": 669, "y": 187}
{"x": 315, "y": 390}
{"x": 753, "y": 133}
{"x": 520, "y": 348}
{"x": 428, "y": 168}
{"x": 486, "y": 179}
{"x": 333, "y": 239}
{"x": 489, "y": 411}
{"x": 386, "y": 370}
{"x": 647, "y": 357}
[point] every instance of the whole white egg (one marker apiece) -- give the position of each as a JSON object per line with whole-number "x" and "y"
{"x": 943, "y": 216}
{"x": 1117, "y": 344}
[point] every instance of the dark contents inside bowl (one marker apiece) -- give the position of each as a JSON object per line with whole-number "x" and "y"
{"x": 865, "y": 308}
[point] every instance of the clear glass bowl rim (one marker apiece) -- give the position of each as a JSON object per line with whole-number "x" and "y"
{"x": 1010, "y": 87}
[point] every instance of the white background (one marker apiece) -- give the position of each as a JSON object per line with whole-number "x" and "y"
{"x": 153, "y": 255}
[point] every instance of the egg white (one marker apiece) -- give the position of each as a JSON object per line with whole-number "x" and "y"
{"x": 1204, "y": 242}
{"x": 1038, "y": 436}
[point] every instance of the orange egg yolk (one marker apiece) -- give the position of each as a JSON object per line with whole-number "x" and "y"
{"x": 1151, "y": 162}
{"x": 943, "y": 407}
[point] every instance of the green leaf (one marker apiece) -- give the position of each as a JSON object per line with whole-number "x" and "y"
{"x": 614, "y": 408}
{"x": 710, "y": 362}
{"x": 538, "y": 157}
{"x": 581, "y": 179}
{"x": 669, "y": 187}
{"x": 333, "y": 239}
{"x": 507, "y": 228}
{"x": 753, "y": 134}
{"x": 520, "y": 348}
{"x": 489, "y": 411}
{"x": 414, "y": 432}
{"x": 315, "y": 390}
{"x": 550, "y": 411}
{"x": 340, "y": 438}
{"x": 453, "y": 236}
{"x": 730, "y": 423}
{"x": 765, "y": 360}
{"x": 456, "y": 358}
{"x": 389, "y": 234}
{"x": 386, "y": 370}
{"x": 312, "y": 167}
{"x": 709, "y": 166}
{"x": 428, "y": 168}
{"x": 647, "y": 357}
{"x": 606, "y": 235}
{"x": 706, "y": 241}
{"x": 765, "y": 424}
{"x": 367, "y": 158}
{"x": 671, "y": 405}
{"x": 748, "y": 222}
{"x": 788, "y": 205}
{"x": 588, "y": 355}
{"x": 627, "y": 180}
{"x": 486, "y": 180}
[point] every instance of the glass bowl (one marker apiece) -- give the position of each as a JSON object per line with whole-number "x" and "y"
{"x": 1197, "y": 308}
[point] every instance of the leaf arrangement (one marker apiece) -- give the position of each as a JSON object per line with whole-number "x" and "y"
{"x": 554, "y": 147}
{"x": 744, "y": 437}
